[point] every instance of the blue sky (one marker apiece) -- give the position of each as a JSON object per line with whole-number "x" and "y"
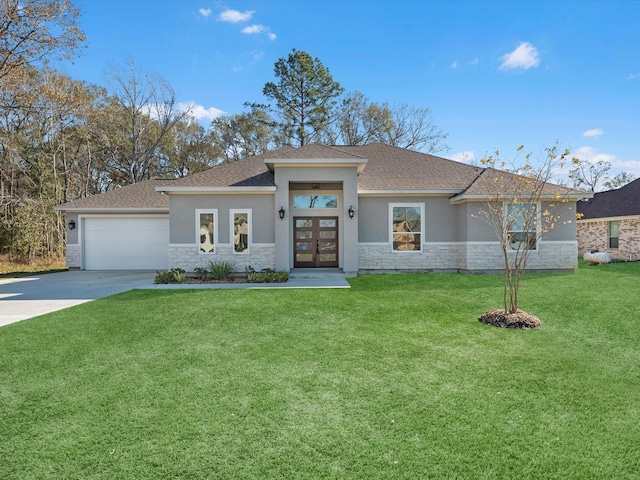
{"x": 495, "y": 74}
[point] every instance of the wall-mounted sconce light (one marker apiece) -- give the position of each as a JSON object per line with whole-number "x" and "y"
{"x": 352, "y": 212}
{"x": 281, "y": 213}
{"x": 71, "y": 224}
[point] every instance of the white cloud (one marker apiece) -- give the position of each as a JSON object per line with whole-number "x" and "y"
{"x": 591, "y": 155}
{"x": 235, "y": 16}
{"x": 632, "y": 76}
{"x": 256, "y": 29}
{"x": 205, "y": 12}
{"x": 474, "y": 62}
{"x": 253, "y": 29}
{"x": 454, "y": 65}
{"x": 593, "y": 133}
{"x": 525, "y": 56}
{"x": 199, "y": 112}
{"x": 465, "y": 157}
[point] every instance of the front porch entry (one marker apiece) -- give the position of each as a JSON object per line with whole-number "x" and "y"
{"x": 315, "y": 242}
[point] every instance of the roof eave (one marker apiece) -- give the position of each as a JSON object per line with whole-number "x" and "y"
{"x": 611, "y": 218}
{"x": 61, "y": 208}
{"x": 261, "y": 190}
{"x": 483, "y": 198}
{"x": 421, "y": 193}
{"x": 359, "y": 163}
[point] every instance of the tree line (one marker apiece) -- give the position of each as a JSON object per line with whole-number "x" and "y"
{"x": 62, "y": 139}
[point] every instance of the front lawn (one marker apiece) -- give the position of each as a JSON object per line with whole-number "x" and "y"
{"x": 394, "y": 378}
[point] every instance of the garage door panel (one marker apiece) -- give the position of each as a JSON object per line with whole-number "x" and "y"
{"x": 126, "y": 243}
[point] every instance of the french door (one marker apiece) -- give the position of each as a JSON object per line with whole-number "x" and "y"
{"x": 315, "y": 242}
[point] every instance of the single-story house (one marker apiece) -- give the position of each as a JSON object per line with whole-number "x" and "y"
{"x": 611, "y": 222}
{"x": 369, "y": 208}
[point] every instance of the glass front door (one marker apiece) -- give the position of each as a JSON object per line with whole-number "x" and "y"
{"x": 315, "y": 242}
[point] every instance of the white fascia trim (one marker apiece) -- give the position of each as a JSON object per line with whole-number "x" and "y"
{"x": 226, "y": 190}
{"x": 316, "y": 162}
{"x": 609, "y": 219}
{"x": 116, "y": 210}
{"x": 502, "y": 198}
{"x": 406, "y": 193}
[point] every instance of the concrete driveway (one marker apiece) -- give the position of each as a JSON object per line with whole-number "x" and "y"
{"x": 26, "y": 297}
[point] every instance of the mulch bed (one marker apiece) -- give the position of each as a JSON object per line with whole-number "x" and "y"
{"x": 195, "y": 280}
{"x": 502, "y": 319}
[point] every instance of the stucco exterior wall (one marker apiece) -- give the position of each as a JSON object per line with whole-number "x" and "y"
{"x": 439, "y": 218}
{"x": 183, "y": 216}
{"x": 594, "y": 234}
{"x": 348, "y": 228}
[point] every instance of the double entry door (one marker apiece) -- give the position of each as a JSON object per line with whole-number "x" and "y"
{"x": 315, "y": 242}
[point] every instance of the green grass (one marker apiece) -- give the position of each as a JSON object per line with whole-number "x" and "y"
{"x": 394, "y": 378}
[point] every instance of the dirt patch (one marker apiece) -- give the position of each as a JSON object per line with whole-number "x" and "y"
{"x": 502, "y": 319}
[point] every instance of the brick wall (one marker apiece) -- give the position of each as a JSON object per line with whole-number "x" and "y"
{"x": 595, "y": 235}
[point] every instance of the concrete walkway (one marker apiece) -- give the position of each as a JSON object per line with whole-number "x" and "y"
{"x": 27, "y": 297}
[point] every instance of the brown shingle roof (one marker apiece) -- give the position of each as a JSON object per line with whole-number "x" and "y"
{"x": 509, "y": 183}
{"x": 624, "y": 201}
{"x": 387, "y": 168}
{"x": 394, "y": 168}
{"x": 249, "y": 172}
{"x": 140, "y": 195}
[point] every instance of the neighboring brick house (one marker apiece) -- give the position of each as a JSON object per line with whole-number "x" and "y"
{"x": 369, "y": 208}
{"x": 611, "y": 222}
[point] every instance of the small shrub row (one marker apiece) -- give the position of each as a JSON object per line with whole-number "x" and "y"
{"x": 268, "y": 276}
{"x": 222, "y": 270}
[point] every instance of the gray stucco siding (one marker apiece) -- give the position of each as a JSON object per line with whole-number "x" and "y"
{"x": 565, "y": 226}
{"x": 182, "y": 212}
{"x": 479, "y": 230}
{"x": 440, "y": 218}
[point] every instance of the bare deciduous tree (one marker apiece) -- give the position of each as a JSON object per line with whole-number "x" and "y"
{"x": 141, "y": 112}
{"x": 522, "y": 206}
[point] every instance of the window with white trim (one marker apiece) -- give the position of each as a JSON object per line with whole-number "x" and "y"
{"x": 406, "y": 229}
{"x": 206, "y": 230}
{"x": 614, "y": 233}
{"x": 522, "y": 226}
{"x": 240, "y": 230}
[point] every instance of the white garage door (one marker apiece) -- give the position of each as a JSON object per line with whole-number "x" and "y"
{"x": 126, "y": 243}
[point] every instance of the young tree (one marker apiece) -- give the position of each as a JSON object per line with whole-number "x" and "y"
{"x": 304, "y": 96}
{"x": 521, "y": 205}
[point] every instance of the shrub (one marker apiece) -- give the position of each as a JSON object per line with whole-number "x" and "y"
{"x": 163, "y": 277}
{"x": 175, "y": 275}
{"x": 268, "y": 276}
{"x": 201, "y": 273}
{"x": 178, "y": 275}
{"x": 221, "y": 270}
